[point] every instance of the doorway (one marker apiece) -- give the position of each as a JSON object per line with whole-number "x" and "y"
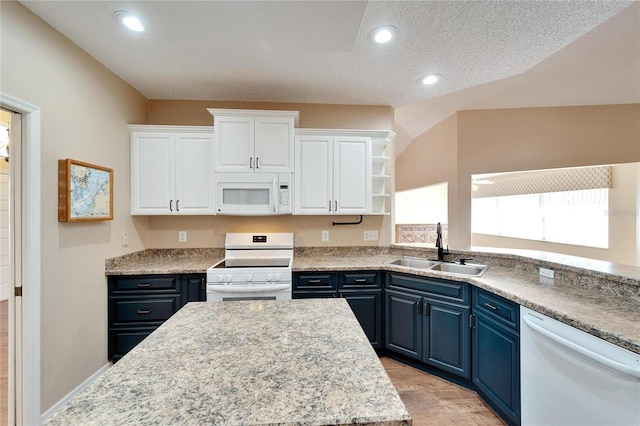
{"x": 23, "y": 312}
{"x": 5, "y": 270}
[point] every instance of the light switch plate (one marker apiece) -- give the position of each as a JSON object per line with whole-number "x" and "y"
{"x": 325, "y": 235}
{"x": 182, "y": 236}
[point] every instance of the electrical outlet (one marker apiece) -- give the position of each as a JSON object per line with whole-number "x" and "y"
{"x": 182, "y": 236}
{"x": 125, "y": 239}
{"x": 325, "y": 235}
{"x": 547, "y": 273}
{"x": 371, "y": 235}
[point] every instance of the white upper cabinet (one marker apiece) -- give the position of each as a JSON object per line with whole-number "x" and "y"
{"x": 332, "y": 173}
{"x": 253, "y": 140}
{"x": 171, "y": 170}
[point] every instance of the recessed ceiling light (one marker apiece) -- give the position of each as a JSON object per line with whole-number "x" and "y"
{"x": 429, "y": 79}
{"x": 383, "y": 34}
{"x": 128, "y": 20}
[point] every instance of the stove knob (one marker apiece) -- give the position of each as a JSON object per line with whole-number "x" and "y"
{"x": 220, "y": 278}
{"x": 277, "y": 277}
{"x": 268, "y": 277}
{"x": 228, "y": 277}
{"x": 249, "y": 278}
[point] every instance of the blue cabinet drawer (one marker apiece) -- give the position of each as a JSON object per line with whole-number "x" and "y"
{"x": 497, "y": 307}
{"x": 452, "y": 291}
{"x": 319, "y": 281}
{"x": 164, "y": 283}
{"x": 145, "y": 310}
{"x": 359, "y": 280}
{"x": 122, "y": 341}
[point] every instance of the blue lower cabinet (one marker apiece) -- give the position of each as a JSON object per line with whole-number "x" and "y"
{"x": 431, "y": 331}
{"x": 446, "y": 337}
{"x": 361, "y": 289}
{"x": 403, "y": 323}
{"x": 141, "y": 303}
{"x": 367, "y": 307}
{"x": 496, "y": 354}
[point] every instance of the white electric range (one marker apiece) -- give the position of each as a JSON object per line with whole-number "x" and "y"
{"x": 257, "y": 266}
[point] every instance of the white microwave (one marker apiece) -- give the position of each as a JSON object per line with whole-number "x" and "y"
{"x": 253, "y": 194}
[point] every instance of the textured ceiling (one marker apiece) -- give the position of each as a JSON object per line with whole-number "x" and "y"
{"x": 317, "y": 51}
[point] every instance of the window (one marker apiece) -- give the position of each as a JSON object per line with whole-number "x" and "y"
{"x": 568, "y": 217}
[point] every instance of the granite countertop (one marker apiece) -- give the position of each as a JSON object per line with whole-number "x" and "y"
{"x": 604, "y": 301}
{"x": 293, "y": 362}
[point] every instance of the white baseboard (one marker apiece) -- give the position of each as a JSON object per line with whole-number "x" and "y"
{"x": 58, "y": 405}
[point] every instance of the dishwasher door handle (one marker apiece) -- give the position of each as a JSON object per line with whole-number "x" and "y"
{"x": 614, "y": 365}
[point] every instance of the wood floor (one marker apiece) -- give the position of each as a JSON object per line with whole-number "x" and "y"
{"x": 435, "y": 401}
{"x": 4, "y": 361}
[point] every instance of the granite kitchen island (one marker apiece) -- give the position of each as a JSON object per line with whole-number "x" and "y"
{"x": 293, "y": 362}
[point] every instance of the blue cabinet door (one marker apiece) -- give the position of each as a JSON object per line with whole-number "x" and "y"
{"x": 496, "y": 365}
{"x": 367, "y": 307}
{"x": 446, "y": 337}
{"x": 403, "y": 323}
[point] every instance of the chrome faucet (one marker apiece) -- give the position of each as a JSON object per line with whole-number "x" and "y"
{"x": 441, "y": 251}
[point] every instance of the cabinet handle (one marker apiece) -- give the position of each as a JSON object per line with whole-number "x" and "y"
{"x": 329, "y": 205}
{"x": 170, "y": 205}
{"x": 490, "y": 306}
{"x": 257, "y": 163}
{"x": 426, "y": 309}
{"x": 314, "y": 281}
{"x": 418, "y": 308}
{"x": 471, "y": 317}
{"x": 360, "y": 280}
{"x": 144, "y": 285}
{"x": 251, "y": 162}
{"x": 144, "y": 311}
{"x": 202, "y": 285}
{"x": 335, "y": 206}
{"x": 177, "y": 205}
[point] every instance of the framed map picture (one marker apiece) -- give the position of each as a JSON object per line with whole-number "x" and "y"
{"x": 85, "y": 192}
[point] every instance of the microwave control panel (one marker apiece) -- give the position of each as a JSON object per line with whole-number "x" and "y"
{"x": 285, "y": 197}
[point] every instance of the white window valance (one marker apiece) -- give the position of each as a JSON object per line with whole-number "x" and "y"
{"x": 545, "y": 181}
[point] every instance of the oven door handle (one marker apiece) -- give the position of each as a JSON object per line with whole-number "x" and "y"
{"x": 247, "y": 289}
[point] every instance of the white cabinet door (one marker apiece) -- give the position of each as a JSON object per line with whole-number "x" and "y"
{"x": 332, "y": 174}
{"x": 171, "y": 170}
{"x": 152, "y": 176}
{"x": 352, "y": 175}
{"x": 254, "y": 140}
{"x": 234, "y": 141}
{"x": 273, "y": 144}
{"x": 313, "y": 175}
{"x": 195, "y": 190}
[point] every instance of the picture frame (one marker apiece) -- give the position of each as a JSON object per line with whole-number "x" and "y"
{"x": 85, "y": 192}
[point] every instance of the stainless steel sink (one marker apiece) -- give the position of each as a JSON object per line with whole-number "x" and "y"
{"x": 456, "y": 268}
{"x": 468, "y": 269}
{"x": 414, "y": 262}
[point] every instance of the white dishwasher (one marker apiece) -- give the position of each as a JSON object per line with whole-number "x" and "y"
{"x": 569, "y": 377}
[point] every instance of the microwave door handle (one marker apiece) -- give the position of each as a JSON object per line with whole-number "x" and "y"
{"x": 275, "y": 194}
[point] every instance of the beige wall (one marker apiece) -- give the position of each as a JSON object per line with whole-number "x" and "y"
{"x": 209, "y": 231}
{"x": 489, "y": 141}
{"x": 84, "y": 112}
{"x": 194, "y": 113}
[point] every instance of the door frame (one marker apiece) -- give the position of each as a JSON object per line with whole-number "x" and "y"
{"x": 25, "y": 368}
